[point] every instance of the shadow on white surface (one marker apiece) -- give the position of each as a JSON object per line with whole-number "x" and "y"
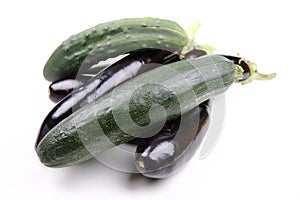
{"x": 96, "y": 174}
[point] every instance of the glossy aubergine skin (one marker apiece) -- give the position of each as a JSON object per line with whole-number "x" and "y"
{"x": 195, "y": 53}
{"x": 165, "y": 153}
{"x": 130, "y": 66}
{"x": 61, "y": 88}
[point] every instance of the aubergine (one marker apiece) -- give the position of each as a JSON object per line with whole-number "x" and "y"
{"x": 61, "y": 88}
{"x": 163, "y": 154}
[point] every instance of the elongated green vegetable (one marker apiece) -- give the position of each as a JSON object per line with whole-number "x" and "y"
{"x": 135, "y": 107}
{"x": 111, "y": 39}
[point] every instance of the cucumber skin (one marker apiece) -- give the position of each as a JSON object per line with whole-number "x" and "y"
{"x": 67, "y": 144}
{"x": 111, "y": 39}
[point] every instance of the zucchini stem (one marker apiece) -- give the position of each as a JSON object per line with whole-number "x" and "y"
{"x": 191, "y": 33}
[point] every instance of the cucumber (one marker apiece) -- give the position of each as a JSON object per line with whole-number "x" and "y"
{"x": 135, "y": 107}
{"x": 111, "y": 39}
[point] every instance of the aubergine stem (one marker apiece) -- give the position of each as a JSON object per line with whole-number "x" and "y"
{"x": 260, "y": 76}
{"x": 254, "y": 74}
{"x": 249, "y": 68}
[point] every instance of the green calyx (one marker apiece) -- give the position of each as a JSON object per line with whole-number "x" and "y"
{"x": 191, "y": 33}
{"x": 239, "y": 72}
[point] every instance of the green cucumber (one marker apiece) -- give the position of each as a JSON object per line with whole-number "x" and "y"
{"x": 136, "y": 107}
{"x": 111, "y": 39}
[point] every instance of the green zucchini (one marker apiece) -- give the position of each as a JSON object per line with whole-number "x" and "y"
{"x": 111, "y": 39}
{"x": 135, "y": 108}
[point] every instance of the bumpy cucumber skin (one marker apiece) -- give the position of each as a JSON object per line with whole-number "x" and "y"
{"x": 94, "y": 129}
{"x": 110, "y": 40}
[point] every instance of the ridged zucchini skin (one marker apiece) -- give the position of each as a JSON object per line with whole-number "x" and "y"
{"x": 178, "y": 87}
{"x": 111, "y": 39}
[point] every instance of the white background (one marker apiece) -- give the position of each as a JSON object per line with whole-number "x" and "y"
{"x": 258, "y": 155}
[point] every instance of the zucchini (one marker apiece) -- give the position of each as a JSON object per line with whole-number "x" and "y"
{"x": 109, "y": 40}
{"x": 128, "y": 67}
{"x": 177, "y": 87}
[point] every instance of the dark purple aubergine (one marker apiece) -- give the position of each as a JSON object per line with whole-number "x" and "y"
{"x": 194, "y": 53}
{"x": 130, "y": 66}
{"x": 163, "y": 154}
{"x": 61, "y": 88}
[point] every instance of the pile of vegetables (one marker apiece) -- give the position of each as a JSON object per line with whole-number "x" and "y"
{"x": 156, "y": 94}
